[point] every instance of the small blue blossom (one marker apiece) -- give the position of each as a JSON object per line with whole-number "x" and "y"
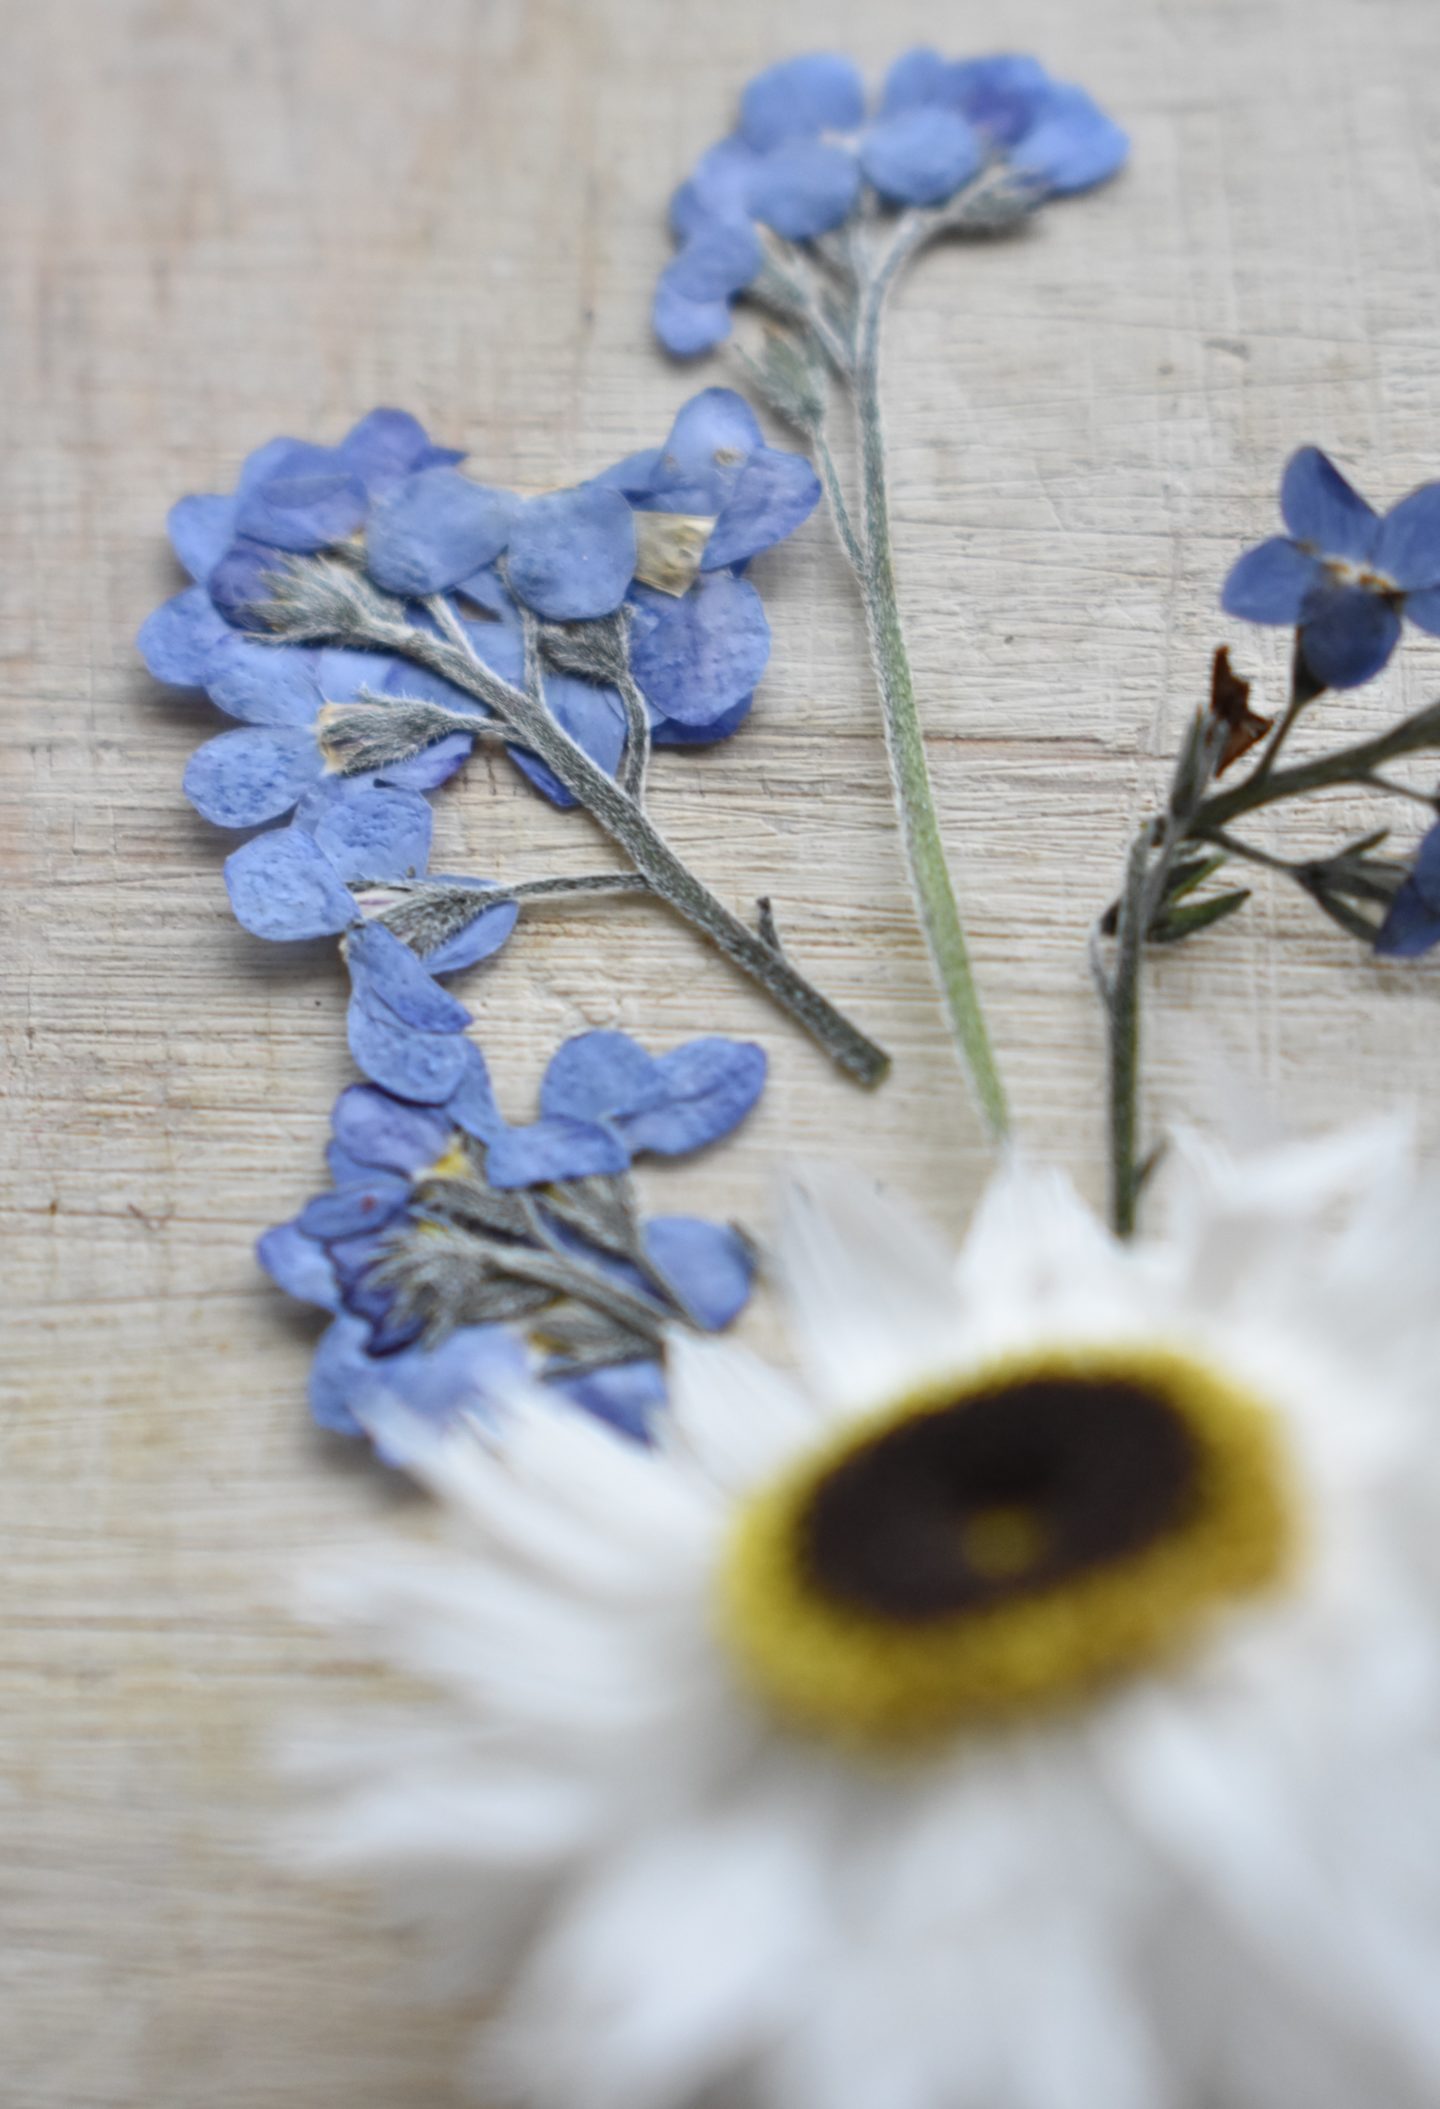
{"x": 394, "y": 500}
{"x": 1412, "y": 925}
{"x": 800, "y": 159}
{"x": 430, "y": 1221}
{"x": 1343, "y": 575}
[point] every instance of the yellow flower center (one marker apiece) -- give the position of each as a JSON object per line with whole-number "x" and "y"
{"x": 1006, "y": 1543}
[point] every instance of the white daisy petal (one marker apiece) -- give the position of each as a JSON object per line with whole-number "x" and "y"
{"x": 739, "y": 1419}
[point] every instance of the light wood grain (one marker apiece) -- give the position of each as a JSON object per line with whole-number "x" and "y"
{"x": 221, "y": 222}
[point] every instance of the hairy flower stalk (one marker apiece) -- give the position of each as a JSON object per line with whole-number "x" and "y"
{"x": 326, "y": 600}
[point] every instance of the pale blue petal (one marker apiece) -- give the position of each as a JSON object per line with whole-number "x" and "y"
{"x": 819, "y": 92}
{"x": 378, "y": 1130}
{"x": 549, "y": 1149}
{"x": 312, "y": 502}
{"x": 710, "y": 442}
{"x": 471, "y": 1105}
{"x": 706, "y": 653}
{"x": 350, "y": 1211}
{"x": 1269, "y": 583}
{"x": 480, "y": 939}
{"x": 384, "y": 969}
{"x": 243, "y": 582}
{"x": 1347, "y": 634}
{"x": 384, "y": 446}
{"x": 201, "y": 529}
{"x": 176, "y": 639}
{"x": 1412, "y": 926}
{"x": 1423, "y": 610}
{"x": 627, "y": 1396}
{"x": 244, "y": 778}
{"x": 709, "y": 1263}
{"x": 635, "y": 474}
{"x": 772, "y": 495}
{"x": 1070, "y": 144}
{"x": 422, "y": 1066}
{"x": 342, "y": 674}
{"x": 688, "y": 327}
{"x": 261, "y": 684}
{"x": 433, "y": 529}
{"x": 805, "y": 189}
{"x": 464, "y": 1377}
{"x": 717, "y": 262}
{"x": 381, "y": 834}
{"x": 1321, "y": 508}
{"x": 339, "y": 1371}
{"x": 434, "y": 766}
{"x": 283, "y": 887}
{"x": 916, "y": 78}
{"x": 708, "y": 1087}
{"x": 1001, "y": 95}
{"x": 717, "y": 190}
{"x": 664, "y": 732}
{"x": 572, "y": 553}
{"x": 1407, "y": 548}
{"x": 920, "y": 156}
{"x": 594, "y": 718}
{"x": 299, "y": 1266}
{"x": 599, "y": 1074}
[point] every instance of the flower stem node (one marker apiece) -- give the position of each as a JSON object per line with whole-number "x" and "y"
{"x": 1001, "y": 1545}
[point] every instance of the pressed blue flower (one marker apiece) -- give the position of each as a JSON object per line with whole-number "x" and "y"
{"x": 433, "y": 530}
{"x": 417, "y": 1181}
{"x": 1343, "y": 576}
{"x": 572, "y": 553}
{"x": 1412, "y": 925}
{"x": 804, "y": 151}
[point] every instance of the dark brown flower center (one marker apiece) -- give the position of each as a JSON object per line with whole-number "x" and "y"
{"x": 998, "y": 1496}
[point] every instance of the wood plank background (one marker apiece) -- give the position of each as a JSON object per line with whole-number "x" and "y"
{"x": 221, "y": 222}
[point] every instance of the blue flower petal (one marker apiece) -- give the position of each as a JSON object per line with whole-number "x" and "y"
{"x": 1071, "y": 145}
{"x": 598, "y": 1074}
{"x": 479, "y": 939}
{"x": 352, "y": 1210}
{"x": 664, "y": 732}
{"x": 409, "y": 1395}
{"x": 1321, "y": 508}
{"x": 572, "y": 553}
{"x": 312, "y": 502}
{"x": 1407, "y": 548}
{"x": 243, "y": 778}
{"x": 716, "y": 262}
{"x": 1347, "y": 634}
{"x": 627, "y": 1396}
{"x": 471, "y": 1104}
{"x": 378, "y": 834}
{"x": 435, "y": 765}
{"x": 706, "y": 653}
{"x": 342, "y": 674}
{"x": 378, "y": 1130}
{"x": 594, "y": 718}
{"x": 344, "y": 1169}
{"x": 1423, "y": 609}
{"x": 175, "y": 640}
{"x": 261, "y": 684}
{"x": 1270, "y": 582}
{"x": 709, "y": 1086}
{"x": 772, "y": 495}
{"x": 920, "y": 156}
{"x": 687, "y": 327}
{"x": 635, "y": 474}
{"x": 243, "y": 582}
{"x": 384, "y": 446}
{"x": 805, "y": 189}
{"x": 422, "y": 1066}
{"x": 269, "y": 460}
{"x": 550, "y": 1149}
{"x": 384, "y": 969}
{"x": 283, "y": 887}
{"x": 709, "y": 1263}
{"x": 1412, "y": 925}
{"x": 916, "y": 78}
{"x": 718, "y": 189}
{"x": 433, "y": 529}
{"x": 1001, "y": 94}
{"x": 820, "y": 92}
{"x": 712, "y": 438}
{"x": 299, "y": 1266}
{"x": 338, "y": 1372}
{"x": 201, "y": 529}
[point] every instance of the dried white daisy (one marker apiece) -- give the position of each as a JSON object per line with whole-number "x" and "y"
{"x": 1040, "y": 1709}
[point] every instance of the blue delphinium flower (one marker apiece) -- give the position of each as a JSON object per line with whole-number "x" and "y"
{"x": 1343, "y": 575}
{"x": 804, "y": 151}
{"x": 399, "y": 505}
{"x": 457, "y": 1252}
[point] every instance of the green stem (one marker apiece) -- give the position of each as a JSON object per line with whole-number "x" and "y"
{"x": 904, "y": 740}
{"x": 1122, "y": 1003}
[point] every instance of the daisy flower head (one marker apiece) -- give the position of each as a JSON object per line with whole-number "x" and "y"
{"x": 1035, "y": 1706}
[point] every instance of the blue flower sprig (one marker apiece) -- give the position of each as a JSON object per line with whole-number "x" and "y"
{"x": 459, "y": 1254}
{"x": 368, "y": 614}
{"x": 1343, "y": 578}
{"x": 809, "y": 210}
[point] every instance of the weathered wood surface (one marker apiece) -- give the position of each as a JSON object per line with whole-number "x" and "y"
{"x": 221, "y": 222}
